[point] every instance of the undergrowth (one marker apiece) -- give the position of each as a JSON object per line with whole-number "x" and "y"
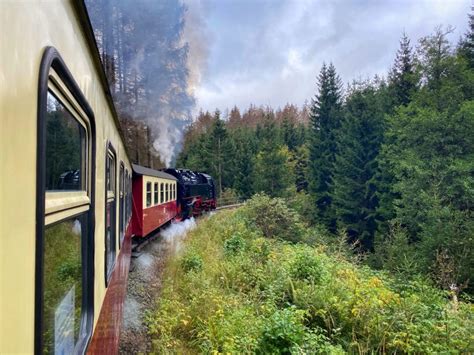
{"x": 245, "y": 283}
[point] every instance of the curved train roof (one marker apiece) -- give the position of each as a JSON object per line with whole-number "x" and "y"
{"x": 141, "y": 170}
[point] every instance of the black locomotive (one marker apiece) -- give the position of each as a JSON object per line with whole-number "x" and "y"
{"x": 196, "y": 192}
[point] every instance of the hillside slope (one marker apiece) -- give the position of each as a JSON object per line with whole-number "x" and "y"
{"x": 256, "y": 280}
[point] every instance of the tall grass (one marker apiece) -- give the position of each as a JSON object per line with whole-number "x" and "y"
{"x": 241, "y": 286}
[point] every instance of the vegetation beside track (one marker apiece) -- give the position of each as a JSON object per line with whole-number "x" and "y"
{"x": 257, "y": 280}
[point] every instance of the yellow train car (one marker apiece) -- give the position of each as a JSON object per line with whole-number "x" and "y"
{"x": 65, "y": 185}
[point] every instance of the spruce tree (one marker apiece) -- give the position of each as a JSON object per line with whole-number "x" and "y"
{"x": 325, "y": 118}
{"x": 402, "y": 77}
{"x": 289, "y": 134}
{"x": 466, "y": 45}
{"x": 359, "y": 140}
{"x": 272, "y": 173}
{"x": 218, "y": 150}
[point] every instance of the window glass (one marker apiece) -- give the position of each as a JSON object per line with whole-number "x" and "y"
{"x": 162, "y": 193}
{"x": 122, "y": 203}
{"x": 65, "y": 145}
{"x": 110, "y": 237}
{"x": 155, "y": 194}
{"x": 167, "y": 192}
{"x": 148, "y": 194}
{"x": 62, "y": 289}
{"x": 110, "y": 216}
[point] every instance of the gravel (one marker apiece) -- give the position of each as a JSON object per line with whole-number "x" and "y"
{"x": 144, "y": 285}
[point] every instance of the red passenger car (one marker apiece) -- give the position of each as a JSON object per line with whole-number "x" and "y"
{"x": 154, "y": 199}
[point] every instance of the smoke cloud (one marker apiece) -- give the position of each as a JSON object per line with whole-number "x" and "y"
{"x": 153, "y": 54}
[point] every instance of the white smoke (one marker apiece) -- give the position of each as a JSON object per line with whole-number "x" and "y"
{"x": 175, "y": 234}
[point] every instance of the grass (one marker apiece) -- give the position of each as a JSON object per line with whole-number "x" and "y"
{"x": 243, "y": 287}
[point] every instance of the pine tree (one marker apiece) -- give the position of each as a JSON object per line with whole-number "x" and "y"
{"x": 402, "y": 77}
{"x": 359, "y": 140}
{"x": 325, "y": 119}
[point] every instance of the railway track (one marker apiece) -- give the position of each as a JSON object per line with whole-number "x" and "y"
{"x": 227, "y": 207}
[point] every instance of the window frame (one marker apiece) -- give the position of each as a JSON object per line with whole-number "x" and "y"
{"x": 55, "y": 77}
{"x": 156, "y": 200}
{"x": 121, "y": 208}
{"x": 150, "y": 192}
{"x": 110, "y": 198}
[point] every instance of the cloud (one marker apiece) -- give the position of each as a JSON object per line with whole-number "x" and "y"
{"x": 269, "y": 52}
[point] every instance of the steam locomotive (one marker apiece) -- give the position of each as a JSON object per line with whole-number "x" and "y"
{"x": 196, "y": 192}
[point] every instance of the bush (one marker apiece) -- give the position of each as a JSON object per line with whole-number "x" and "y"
{"x": 234, "y": 245}
{"x": 282, "y": 332}
{"x": 273, "y": 217}
{"x": 306, "y": 266}
{"x": 191, "y": 262}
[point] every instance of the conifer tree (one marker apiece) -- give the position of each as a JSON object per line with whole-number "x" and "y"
{"x": 325, "y": 118}
{"x": 218, "y": 150}
{"x": 272, "y": 173}
{"x": 289, "y": 134}
{"x": 402, "y": 77}
{"x": 466, "y": 45}
{"x": 359, "y": 140}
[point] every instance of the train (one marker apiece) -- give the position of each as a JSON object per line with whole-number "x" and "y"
{"x": 70, "y": 198}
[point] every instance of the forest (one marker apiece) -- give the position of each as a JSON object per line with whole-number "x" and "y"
{"x": 388, "y": 162}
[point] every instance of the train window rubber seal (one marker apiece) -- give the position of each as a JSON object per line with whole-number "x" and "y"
{"x": 51, "y": 59}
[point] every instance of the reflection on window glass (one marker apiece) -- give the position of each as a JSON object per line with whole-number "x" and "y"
{"x": 148, "y": 194}
{"x": 110, "y": 238}
{"x": 62, "y": 290}
{"x": 64, "y": 148}
{"x": 155, "y": 194}
{"x": 162, "y": 193}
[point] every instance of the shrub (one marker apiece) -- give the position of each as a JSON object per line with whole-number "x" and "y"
{"x": 306, "y": 266}
{"x": 283, "y": 332}
{"x": 191, "y": 262}
{"x": 273, "y": 217}
{"x": 234, "y": 245}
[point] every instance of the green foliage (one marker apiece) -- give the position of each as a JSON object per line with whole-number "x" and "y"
{"x": 282, "y": 332}
{"x": 280, "y": 298}
{"x": 307, "y": 266}
{"x": 191, "y": 262}
{"x": 358, "y": 144}
{"x": 272, "y": 171}
{"x": 274, "y": 218}
{"x": 234, "y": 245}
{"x": 325, "y": 118}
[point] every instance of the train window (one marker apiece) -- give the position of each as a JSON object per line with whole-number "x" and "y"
{"x": 122, "y": 203}
{"x": 130, "y": 196}
{"x": 148, "y": 194}
{"x": 162, "y": 193}
{"x": 167, "y": 192}
{"x": 64, "y": 209}
{"x": 110, "y": 214}
{"x": 155, "y": 194}
{"x": 65, "y": 138}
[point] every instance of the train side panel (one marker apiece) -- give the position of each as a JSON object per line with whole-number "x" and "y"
{"x": 28, "y": 28}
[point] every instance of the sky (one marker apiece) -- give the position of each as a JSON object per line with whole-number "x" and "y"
{"x": 269, "y": 52}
